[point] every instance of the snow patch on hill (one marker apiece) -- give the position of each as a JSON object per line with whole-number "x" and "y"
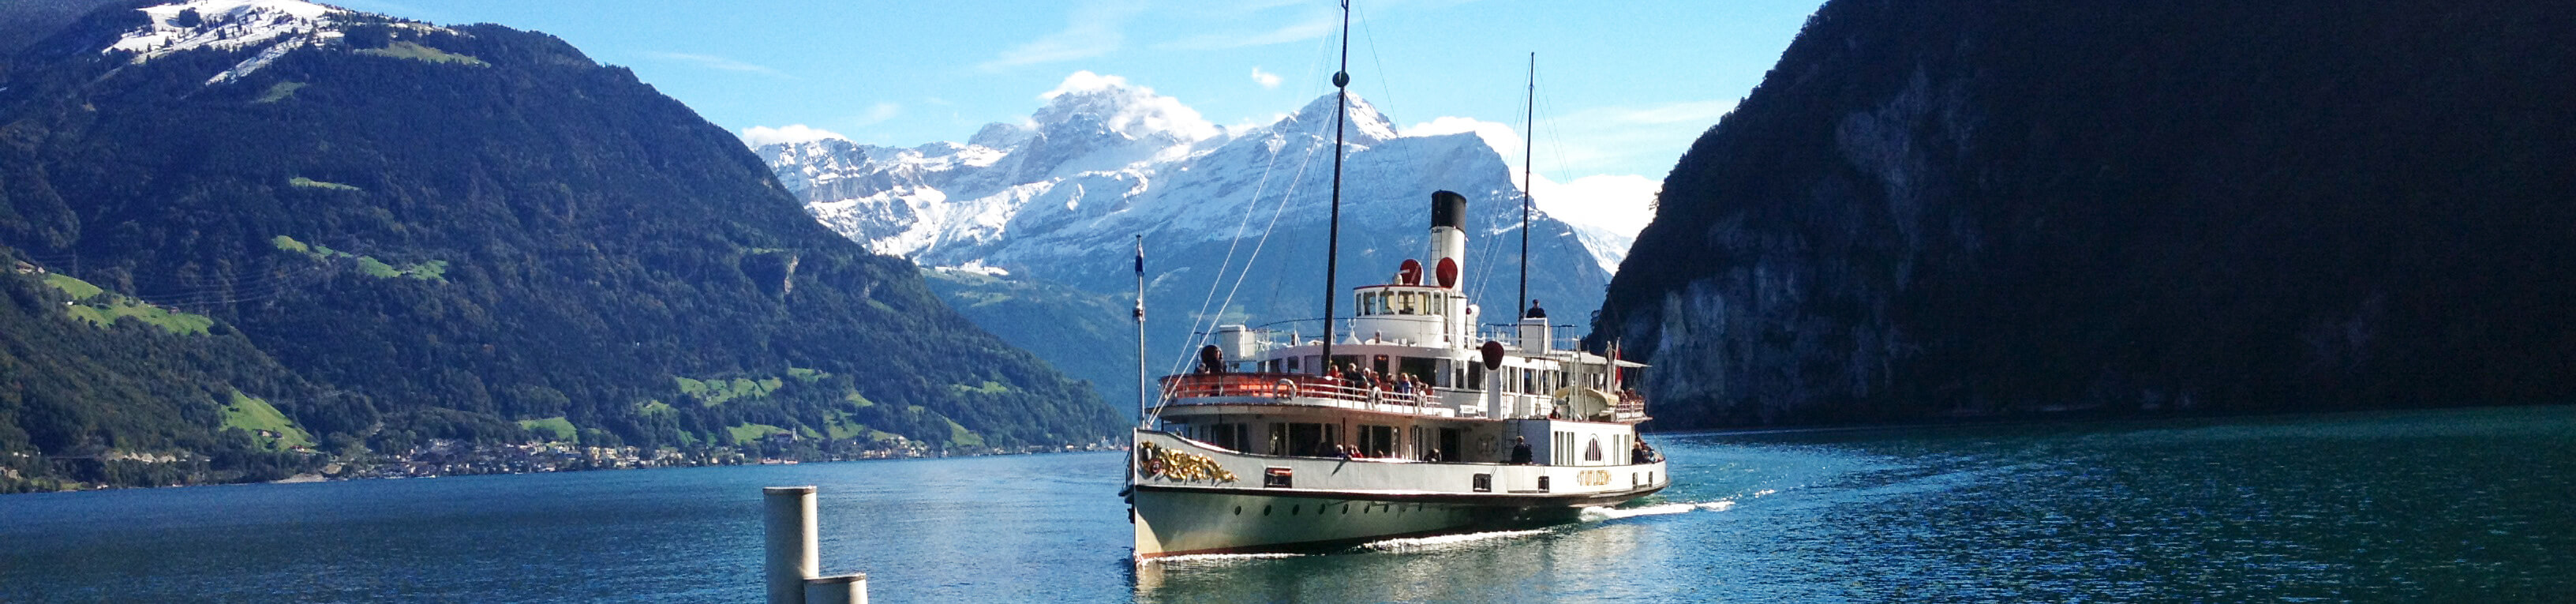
{"x": 274, "y": 28}
{"x": 225, "y": 25}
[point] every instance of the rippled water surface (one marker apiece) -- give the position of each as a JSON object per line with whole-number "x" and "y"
{"x": 2395, "y": 507}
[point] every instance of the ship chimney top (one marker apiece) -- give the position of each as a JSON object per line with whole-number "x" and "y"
{"x": 1448, "y": 209}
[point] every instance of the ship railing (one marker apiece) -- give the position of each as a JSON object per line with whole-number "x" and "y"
{"x": 1288, "y": 386}
{"x": 1562, "y": 339}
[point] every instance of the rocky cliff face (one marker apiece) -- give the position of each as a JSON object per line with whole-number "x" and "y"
{"x": 2001, "y": 207}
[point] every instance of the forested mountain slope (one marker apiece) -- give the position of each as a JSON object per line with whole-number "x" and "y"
{"x": 2004, "y": 207}
{"x": 471, "y": 226}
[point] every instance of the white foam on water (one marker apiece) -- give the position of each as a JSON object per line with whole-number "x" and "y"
{"x": 1600, "y": 514}
{"x": 1197, "y": 559}
{"x": 1719, "y": 505}
{"x": 1416, "y": 544}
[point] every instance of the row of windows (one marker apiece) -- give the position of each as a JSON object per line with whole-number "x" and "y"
{"x": 1400, "y": 303}
{"x": 1564, "y": 453}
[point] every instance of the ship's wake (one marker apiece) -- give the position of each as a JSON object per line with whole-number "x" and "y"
{"x": 1601, "y": 514}
{"x": 1419, "y": 544}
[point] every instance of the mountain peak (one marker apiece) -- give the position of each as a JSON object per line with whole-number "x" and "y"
{"x": 1134, "y": 111}
{"x": 1365, "y": 125}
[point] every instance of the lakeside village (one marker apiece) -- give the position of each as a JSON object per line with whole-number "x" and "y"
{"x": 449, "y": 457}
{"x": 444, "y": 457}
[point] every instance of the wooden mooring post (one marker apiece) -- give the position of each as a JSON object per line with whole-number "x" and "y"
{"x": 794, "y": 562}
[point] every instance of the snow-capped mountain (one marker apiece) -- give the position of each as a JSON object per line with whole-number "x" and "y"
{"x": 1061, "y": 196}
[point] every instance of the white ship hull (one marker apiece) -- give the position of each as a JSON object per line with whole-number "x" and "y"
{"x": 1333, "y": 503}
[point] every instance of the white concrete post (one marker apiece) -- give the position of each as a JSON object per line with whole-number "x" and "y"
{"x": 793, "y": 541}
{"x": 844, "y": 589}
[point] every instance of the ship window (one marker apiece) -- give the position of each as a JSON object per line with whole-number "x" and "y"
{"x": 1475, "y": 377}
{"x": 1230, "y": 437}
{"x": 1308, "y": 440}
{"x": 1592, "y": 450}
{"x": 1377, "y": 441}
{"x": 1277, "y": 478}
{"x": 1542, "y": 484}
{"x": 1484, "y": 483}
{"x": 1419, "y": 368}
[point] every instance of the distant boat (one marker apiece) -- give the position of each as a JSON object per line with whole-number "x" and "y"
{"x": 1425, "y": 426}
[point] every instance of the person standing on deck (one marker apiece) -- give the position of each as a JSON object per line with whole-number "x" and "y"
{"x": 1520, "y": 450}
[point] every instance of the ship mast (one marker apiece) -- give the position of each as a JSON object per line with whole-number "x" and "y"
{"x": 1528, "y": 141}
{"x": 1144, "y": 412}
{"x": 1333, "y": 236}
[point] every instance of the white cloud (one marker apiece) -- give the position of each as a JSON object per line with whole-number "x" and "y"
{"x": 716, "y": 62}
{"x": 792, "y": 133}
{"x": 1085, "y": 81}
{"x": 1498, "y": 135}
{"x": 1093, "y": 29}
{"x": 1615, "y": 202}
{"x": 878, "y": 113}
{"x": 1264, "y": 78}
{"x": 1140, "y": 111}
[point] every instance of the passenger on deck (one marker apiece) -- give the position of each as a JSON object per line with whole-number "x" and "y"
{"x": 1534, "y": 311}
{"x": 1520, "y": 450}
{"x": 1434, "y": 456}
{"x": 1640, "y": 454}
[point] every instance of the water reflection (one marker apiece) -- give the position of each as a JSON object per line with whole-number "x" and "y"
{"x": 1490, "y": 566}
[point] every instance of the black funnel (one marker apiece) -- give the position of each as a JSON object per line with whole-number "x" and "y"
{"x": 1448, "y": 209}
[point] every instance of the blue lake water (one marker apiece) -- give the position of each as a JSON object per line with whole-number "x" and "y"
{"x": 2391, "y": 507}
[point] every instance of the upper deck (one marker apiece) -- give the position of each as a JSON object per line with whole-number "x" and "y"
{"x": 1312, "y": 391}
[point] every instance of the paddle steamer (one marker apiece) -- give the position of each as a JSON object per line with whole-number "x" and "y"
{"x": 1426, "y": 425}
{"x": 1411, "y": 429}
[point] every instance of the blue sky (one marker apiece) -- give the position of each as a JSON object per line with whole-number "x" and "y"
{"x": 1624, "y": 87}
